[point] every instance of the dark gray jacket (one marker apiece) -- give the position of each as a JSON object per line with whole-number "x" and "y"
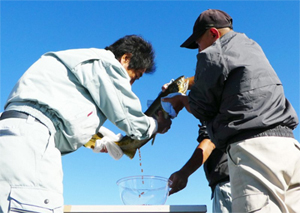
{"x": 237, "y": 94}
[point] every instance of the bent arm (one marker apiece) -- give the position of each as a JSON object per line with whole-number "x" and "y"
{"x": 199, "y": 157}
{"x": 180, "y": 178}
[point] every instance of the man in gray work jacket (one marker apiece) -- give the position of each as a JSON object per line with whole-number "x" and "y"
{"x": 239, "y": 97}
{"x": 57, "y": 106}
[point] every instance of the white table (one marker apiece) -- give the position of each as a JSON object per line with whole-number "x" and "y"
{"x": 135, "y": 208}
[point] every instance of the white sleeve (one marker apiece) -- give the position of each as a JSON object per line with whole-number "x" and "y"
{"x": 153, "y": 126}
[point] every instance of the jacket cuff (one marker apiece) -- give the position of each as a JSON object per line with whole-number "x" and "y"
{"x": 202, "y": 134}
{"x": 153, "y": 126}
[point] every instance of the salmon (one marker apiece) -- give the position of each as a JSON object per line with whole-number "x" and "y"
{"x": 129, "y": 145}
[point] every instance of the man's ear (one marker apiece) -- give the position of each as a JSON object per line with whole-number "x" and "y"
{"x": 125, "y": 58}
{"x": 214, "y": 32}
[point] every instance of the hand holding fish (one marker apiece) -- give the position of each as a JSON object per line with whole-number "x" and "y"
{"x": 178, "y": 102}
{"x": 164, "y": 124}
{"x": 129, "y": 145}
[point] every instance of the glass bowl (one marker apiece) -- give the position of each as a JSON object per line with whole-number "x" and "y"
{"x": 144, "y": 190}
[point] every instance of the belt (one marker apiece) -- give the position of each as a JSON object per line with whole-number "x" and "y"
{"x": 15, "y": 114}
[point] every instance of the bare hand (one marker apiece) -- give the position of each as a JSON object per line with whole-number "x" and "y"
{"x": 164, "y": 124}
{"x": 164, "y": 87}
{"x": 179, "y": 181}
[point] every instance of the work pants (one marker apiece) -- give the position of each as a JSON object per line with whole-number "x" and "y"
{"x": 265, "y": 175}
{"x": 222, "y": 198}
{"x": 30, "y": 168}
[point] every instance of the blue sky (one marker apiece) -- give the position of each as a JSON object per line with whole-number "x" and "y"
{"x": 32, "y": 28}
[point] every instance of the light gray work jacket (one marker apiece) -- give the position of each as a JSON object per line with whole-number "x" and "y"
{"x": 75, "y": 91}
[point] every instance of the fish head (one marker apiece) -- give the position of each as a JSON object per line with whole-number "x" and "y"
{"x": 178, "y": 85}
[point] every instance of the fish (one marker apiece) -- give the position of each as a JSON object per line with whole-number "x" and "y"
{"x": 129, "y": 145}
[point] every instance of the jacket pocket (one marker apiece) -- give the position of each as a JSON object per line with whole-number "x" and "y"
{"x": 33, "y": 200}
{"x": 250, "y": 203}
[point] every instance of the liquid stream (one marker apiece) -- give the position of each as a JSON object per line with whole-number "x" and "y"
{"x": 140, "y": 158}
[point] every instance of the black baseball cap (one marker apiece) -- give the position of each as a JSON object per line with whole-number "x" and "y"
{"x": 207, "y": 19}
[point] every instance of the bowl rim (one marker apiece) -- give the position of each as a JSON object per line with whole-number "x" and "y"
{"x": 144, "y": 177}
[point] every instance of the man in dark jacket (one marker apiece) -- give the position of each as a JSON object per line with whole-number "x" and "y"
{"x": 240, "y": 99}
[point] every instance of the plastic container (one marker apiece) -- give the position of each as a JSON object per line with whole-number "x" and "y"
{"x": 144, "y": 190}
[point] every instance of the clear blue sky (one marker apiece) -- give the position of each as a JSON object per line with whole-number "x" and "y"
{"x": 32, "y": 28}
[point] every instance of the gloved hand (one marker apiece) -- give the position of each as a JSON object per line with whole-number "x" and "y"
{"x": 107, "y": 143}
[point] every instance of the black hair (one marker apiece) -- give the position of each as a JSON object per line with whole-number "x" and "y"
{"x": 142, "y": 53}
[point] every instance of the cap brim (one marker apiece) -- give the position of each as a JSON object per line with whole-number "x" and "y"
{"x": 190, "y": 43}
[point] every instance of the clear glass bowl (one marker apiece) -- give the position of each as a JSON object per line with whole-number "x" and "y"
{"x": 144, "y": 190}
